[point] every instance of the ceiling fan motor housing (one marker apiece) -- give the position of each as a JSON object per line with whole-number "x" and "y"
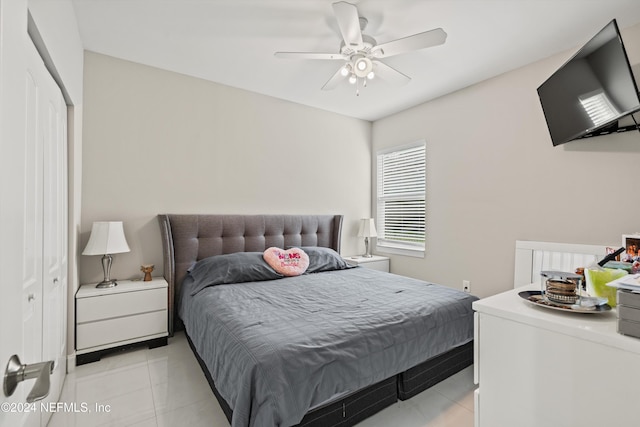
{"x": 368, "y": 43}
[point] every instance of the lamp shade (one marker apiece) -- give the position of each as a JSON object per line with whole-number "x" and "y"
{"x": 107, "y": 237}
{"x": 367, "y": 228}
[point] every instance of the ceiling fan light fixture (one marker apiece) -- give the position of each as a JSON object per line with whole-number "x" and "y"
{"x": 371, "y": 75}
{"x": 345, "y": 70}
{"x": 353, "y": 79}
{"x": 362, "y": 66}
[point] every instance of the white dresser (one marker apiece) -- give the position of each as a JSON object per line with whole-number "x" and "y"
{"x": 130, "y": 313}
{"x": 539, "y": 367}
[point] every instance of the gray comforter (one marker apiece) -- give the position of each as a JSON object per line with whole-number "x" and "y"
{"x": 277, "y": 348}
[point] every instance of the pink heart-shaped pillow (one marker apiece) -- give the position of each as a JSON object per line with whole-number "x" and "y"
{"x": 292, "y": 262}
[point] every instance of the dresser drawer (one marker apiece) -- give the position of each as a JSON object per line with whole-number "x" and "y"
{"x": 114, "y": 305}
{"x": 628, "y": 313}
{"x": 112, "y": 331}
{"x": 630, "y": 299}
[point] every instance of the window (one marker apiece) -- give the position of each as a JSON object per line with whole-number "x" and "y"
{"x": 598, "y": 107}
{"x": 401, "y": 199}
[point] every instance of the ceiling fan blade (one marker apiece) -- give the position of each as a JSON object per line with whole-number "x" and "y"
{"x": 309, "y": 55}
{"x": 390, "y": 74}
{"x": 334, "y": 80}
{"x": 349, "y": 23}
{"x": 415, "y": 42}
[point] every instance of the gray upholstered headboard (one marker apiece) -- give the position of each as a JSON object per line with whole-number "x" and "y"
{"x": 190, "y": 238}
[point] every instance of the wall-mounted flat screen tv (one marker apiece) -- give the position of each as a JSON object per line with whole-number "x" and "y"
{"x": 591, "y": 91}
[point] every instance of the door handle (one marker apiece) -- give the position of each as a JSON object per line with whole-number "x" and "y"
{"x": 17, "y": 372}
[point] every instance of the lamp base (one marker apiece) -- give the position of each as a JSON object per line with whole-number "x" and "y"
{"x": 107, "y": 284}
{"x": 106, "y": 269}
{"x": 367, "y": 253}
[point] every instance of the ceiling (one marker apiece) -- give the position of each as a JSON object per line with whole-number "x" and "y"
{"x": 232, "y": 42}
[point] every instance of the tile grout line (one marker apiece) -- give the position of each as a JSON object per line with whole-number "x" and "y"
{"x": 153, "y": 396}
{"x": 454, "y": 401}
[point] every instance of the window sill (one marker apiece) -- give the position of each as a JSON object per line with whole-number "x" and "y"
{"x": 395, "y": 250}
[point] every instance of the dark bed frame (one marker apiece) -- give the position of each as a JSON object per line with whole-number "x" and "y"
{"x": 187, "y": 239}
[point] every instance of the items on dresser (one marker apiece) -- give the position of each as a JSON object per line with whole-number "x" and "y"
{"x": 561, "y": 287}
{"x": 598, "y": 280}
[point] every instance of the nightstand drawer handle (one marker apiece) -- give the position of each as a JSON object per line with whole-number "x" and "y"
{"x": 31, "y": 297}
{"x": 55, "y": 280}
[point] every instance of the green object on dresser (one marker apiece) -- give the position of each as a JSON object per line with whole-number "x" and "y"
{"x": 597, "y": 283}
{"x": 621, "y": 265}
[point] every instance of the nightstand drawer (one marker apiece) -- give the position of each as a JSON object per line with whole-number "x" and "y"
{"x": 121, "y": 329}
{"x": 114, "y": 305}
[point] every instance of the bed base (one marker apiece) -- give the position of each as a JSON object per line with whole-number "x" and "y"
{"x": 427, "y": 374}
{"x": 344, "y": 412}
{"x": 362, "y": 404}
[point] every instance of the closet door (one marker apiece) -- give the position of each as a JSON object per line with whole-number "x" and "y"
{"x": 51, "y": 128}
{"x": 54, "y": 234}
{"x": 27, "y": 164}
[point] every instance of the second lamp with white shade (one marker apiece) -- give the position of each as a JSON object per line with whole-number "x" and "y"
{"x": 367, "y": 230}
{"x": 107, "y": 237}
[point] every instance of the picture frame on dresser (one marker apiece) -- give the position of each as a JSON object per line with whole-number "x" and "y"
{"x": 631, "y": 244}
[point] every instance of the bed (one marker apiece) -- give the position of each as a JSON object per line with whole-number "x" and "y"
{"x": 327, "y": 348}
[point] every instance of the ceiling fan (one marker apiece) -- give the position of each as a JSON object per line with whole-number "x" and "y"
{"x": 361, "y": 53}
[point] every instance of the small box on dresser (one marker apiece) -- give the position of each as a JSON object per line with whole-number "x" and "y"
{"x": 107, "y": 319}
{"x": 628, "y": 313}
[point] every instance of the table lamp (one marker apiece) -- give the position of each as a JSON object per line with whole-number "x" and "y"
{"x": 367, "y": 229}
{"x": 107, "y": 237}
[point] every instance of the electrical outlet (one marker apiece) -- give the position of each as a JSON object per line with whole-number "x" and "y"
{"x": 466, "y": 286}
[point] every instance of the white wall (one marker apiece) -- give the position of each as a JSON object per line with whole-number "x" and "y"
{"x": 160, "y": 142}
{"x": 493, "y": 177}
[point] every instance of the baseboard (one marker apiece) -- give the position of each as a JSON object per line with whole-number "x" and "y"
{"x": 71, "y": 362}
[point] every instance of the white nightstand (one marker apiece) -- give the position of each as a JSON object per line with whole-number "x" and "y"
{"x": 108, "y": 319}
{"x": 375, "y": 262}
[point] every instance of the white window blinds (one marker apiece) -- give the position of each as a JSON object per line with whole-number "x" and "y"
{"x": 598, "y": 107}
{"x": 401, "y": 197}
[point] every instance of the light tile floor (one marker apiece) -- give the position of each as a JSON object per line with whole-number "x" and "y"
{"x": 166, "y": 387}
